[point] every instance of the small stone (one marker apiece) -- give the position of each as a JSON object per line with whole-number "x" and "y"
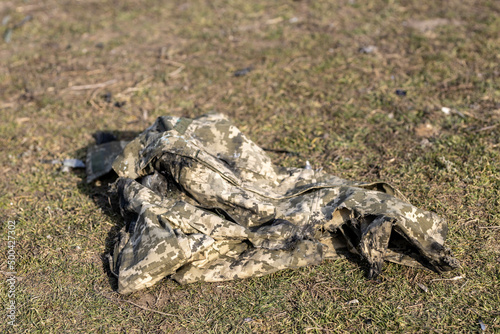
{"x": 368, "y": 49}
{"x": 446, "y": 110}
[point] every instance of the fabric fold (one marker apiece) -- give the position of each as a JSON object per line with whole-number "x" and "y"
{"x": 202, "y": 202}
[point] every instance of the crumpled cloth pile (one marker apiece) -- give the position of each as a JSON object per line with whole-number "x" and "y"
{"x": 202, "y": 202}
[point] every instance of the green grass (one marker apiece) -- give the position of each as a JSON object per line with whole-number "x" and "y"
{"x": 311, "y": 92}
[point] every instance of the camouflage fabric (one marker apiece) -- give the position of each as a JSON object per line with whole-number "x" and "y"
{"x": 100, "y": 158}
{"x": 202, "y": 202}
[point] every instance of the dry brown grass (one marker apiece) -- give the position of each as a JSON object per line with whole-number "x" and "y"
{"x": 311, "y": 91}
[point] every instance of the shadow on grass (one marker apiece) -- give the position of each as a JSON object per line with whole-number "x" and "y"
{"x": 98, "y": 191}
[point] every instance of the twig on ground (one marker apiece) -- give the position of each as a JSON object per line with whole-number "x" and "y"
{"x": 456, "y": 278}
{"x": 6, "y": 105}
{"x": 132, "y": 303}
{"x": 180, "y": 66}
{"x": 487, "y": 128}
{"x": 93, "y": 86}
{"x": 136, "y": 87}
{"x": 416, "y": 305}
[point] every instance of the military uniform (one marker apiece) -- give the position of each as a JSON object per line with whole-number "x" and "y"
{"x": 202, "y": 202}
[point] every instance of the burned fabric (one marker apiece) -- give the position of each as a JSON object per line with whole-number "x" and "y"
{"x": 202, "y": 202}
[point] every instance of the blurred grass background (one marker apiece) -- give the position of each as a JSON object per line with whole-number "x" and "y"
{"x": 322, "y": 84}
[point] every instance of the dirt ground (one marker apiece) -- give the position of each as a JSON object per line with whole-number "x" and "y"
{"x": 406, "y": 92}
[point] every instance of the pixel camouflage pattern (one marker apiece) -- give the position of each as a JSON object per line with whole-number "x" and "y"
{"x": 202, "y": 202}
